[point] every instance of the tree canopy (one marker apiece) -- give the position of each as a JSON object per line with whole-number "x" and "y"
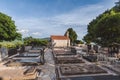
{"x": 79, "y": 42}
{"x": 117, "y": 6}
{"x": 35, "y": 41}
{"x": 105, "y": 29}
{"x": 7, "y": 28}
{"x": 72, "y": 35}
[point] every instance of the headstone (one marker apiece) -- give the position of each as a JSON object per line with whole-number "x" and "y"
{"x": 3, "y": 53}
{"x": 27, "y": 48}
{"x": 95, "y": 47}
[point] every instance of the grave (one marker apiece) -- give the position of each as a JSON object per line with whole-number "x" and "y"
{"x": 62, "y": 53}
{"x": 79, "y": 70}
{"x": 31, "y": 57}
{"x": 91, "y": 58}
{"x": 68, "y": 60}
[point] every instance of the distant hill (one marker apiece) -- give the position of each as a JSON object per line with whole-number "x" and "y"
{"x": 46, "y": 38}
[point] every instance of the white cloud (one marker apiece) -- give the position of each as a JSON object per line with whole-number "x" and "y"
{"x": 80, "y": 17}
{"x": 36, "y": 33}
{"x": 23, "y": 31}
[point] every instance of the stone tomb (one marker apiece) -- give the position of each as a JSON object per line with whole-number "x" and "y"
{"x": 68, "y": 60}
{"x": 63, "y": 53}
{"x": 80, "y": 70}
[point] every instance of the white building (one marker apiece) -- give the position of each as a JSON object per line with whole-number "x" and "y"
{"x": 60, "y": 41}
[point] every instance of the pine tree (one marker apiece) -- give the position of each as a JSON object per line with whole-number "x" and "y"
{"x": 117, "y": 7}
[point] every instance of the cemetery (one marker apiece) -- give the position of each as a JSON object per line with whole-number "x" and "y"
{"x": 77, "y": 65}
{"x": 35, "y": 46}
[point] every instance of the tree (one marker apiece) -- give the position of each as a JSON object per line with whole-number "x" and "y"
{"x": 91, "y": 35}
{"x": 105, "y": 29}
{"x": 7, "y": 28}
{"x": 35, "y": 41}
{"x": 108, "y": 30}
{"x": 28, "y": 38}
{"x": 117, "y": 6}
{"x": 87, "y": 38}
{"x": 18, "y": 36}
{"x": 79, "y": 42}
{"x": 72, "y": 35}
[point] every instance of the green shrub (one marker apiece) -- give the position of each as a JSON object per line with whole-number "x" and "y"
{"x": 79, "y": 42}
{"x": 18, "y": 43}
{"x": 12, "y": 44}
{"x": 35, "y": 42}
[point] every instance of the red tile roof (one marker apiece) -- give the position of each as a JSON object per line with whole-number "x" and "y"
{"x": 59, "y": 37}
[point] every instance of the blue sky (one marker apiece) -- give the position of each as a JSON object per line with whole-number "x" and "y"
{"x": 42, "y": 18}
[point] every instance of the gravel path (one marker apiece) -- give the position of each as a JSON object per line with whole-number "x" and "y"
{"x": 48, "y": 69}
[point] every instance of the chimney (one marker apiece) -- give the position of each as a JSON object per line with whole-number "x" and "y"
{"x": 67, "y": 34}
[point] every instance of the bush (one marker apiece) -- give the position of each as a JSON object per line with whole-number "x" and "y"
{"x": 79, "y": 42}
{"x": 35, "y": 42}
{"x": 18, "y": 43}
{"x": 12, "y": 44}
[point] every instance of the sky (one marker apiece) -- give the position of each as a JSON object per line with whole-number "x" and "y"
{"x": 42, "y": 18}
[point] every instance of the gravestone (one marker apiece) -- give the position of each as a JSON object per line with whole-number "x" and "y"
{"x": 3, "y": 53}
